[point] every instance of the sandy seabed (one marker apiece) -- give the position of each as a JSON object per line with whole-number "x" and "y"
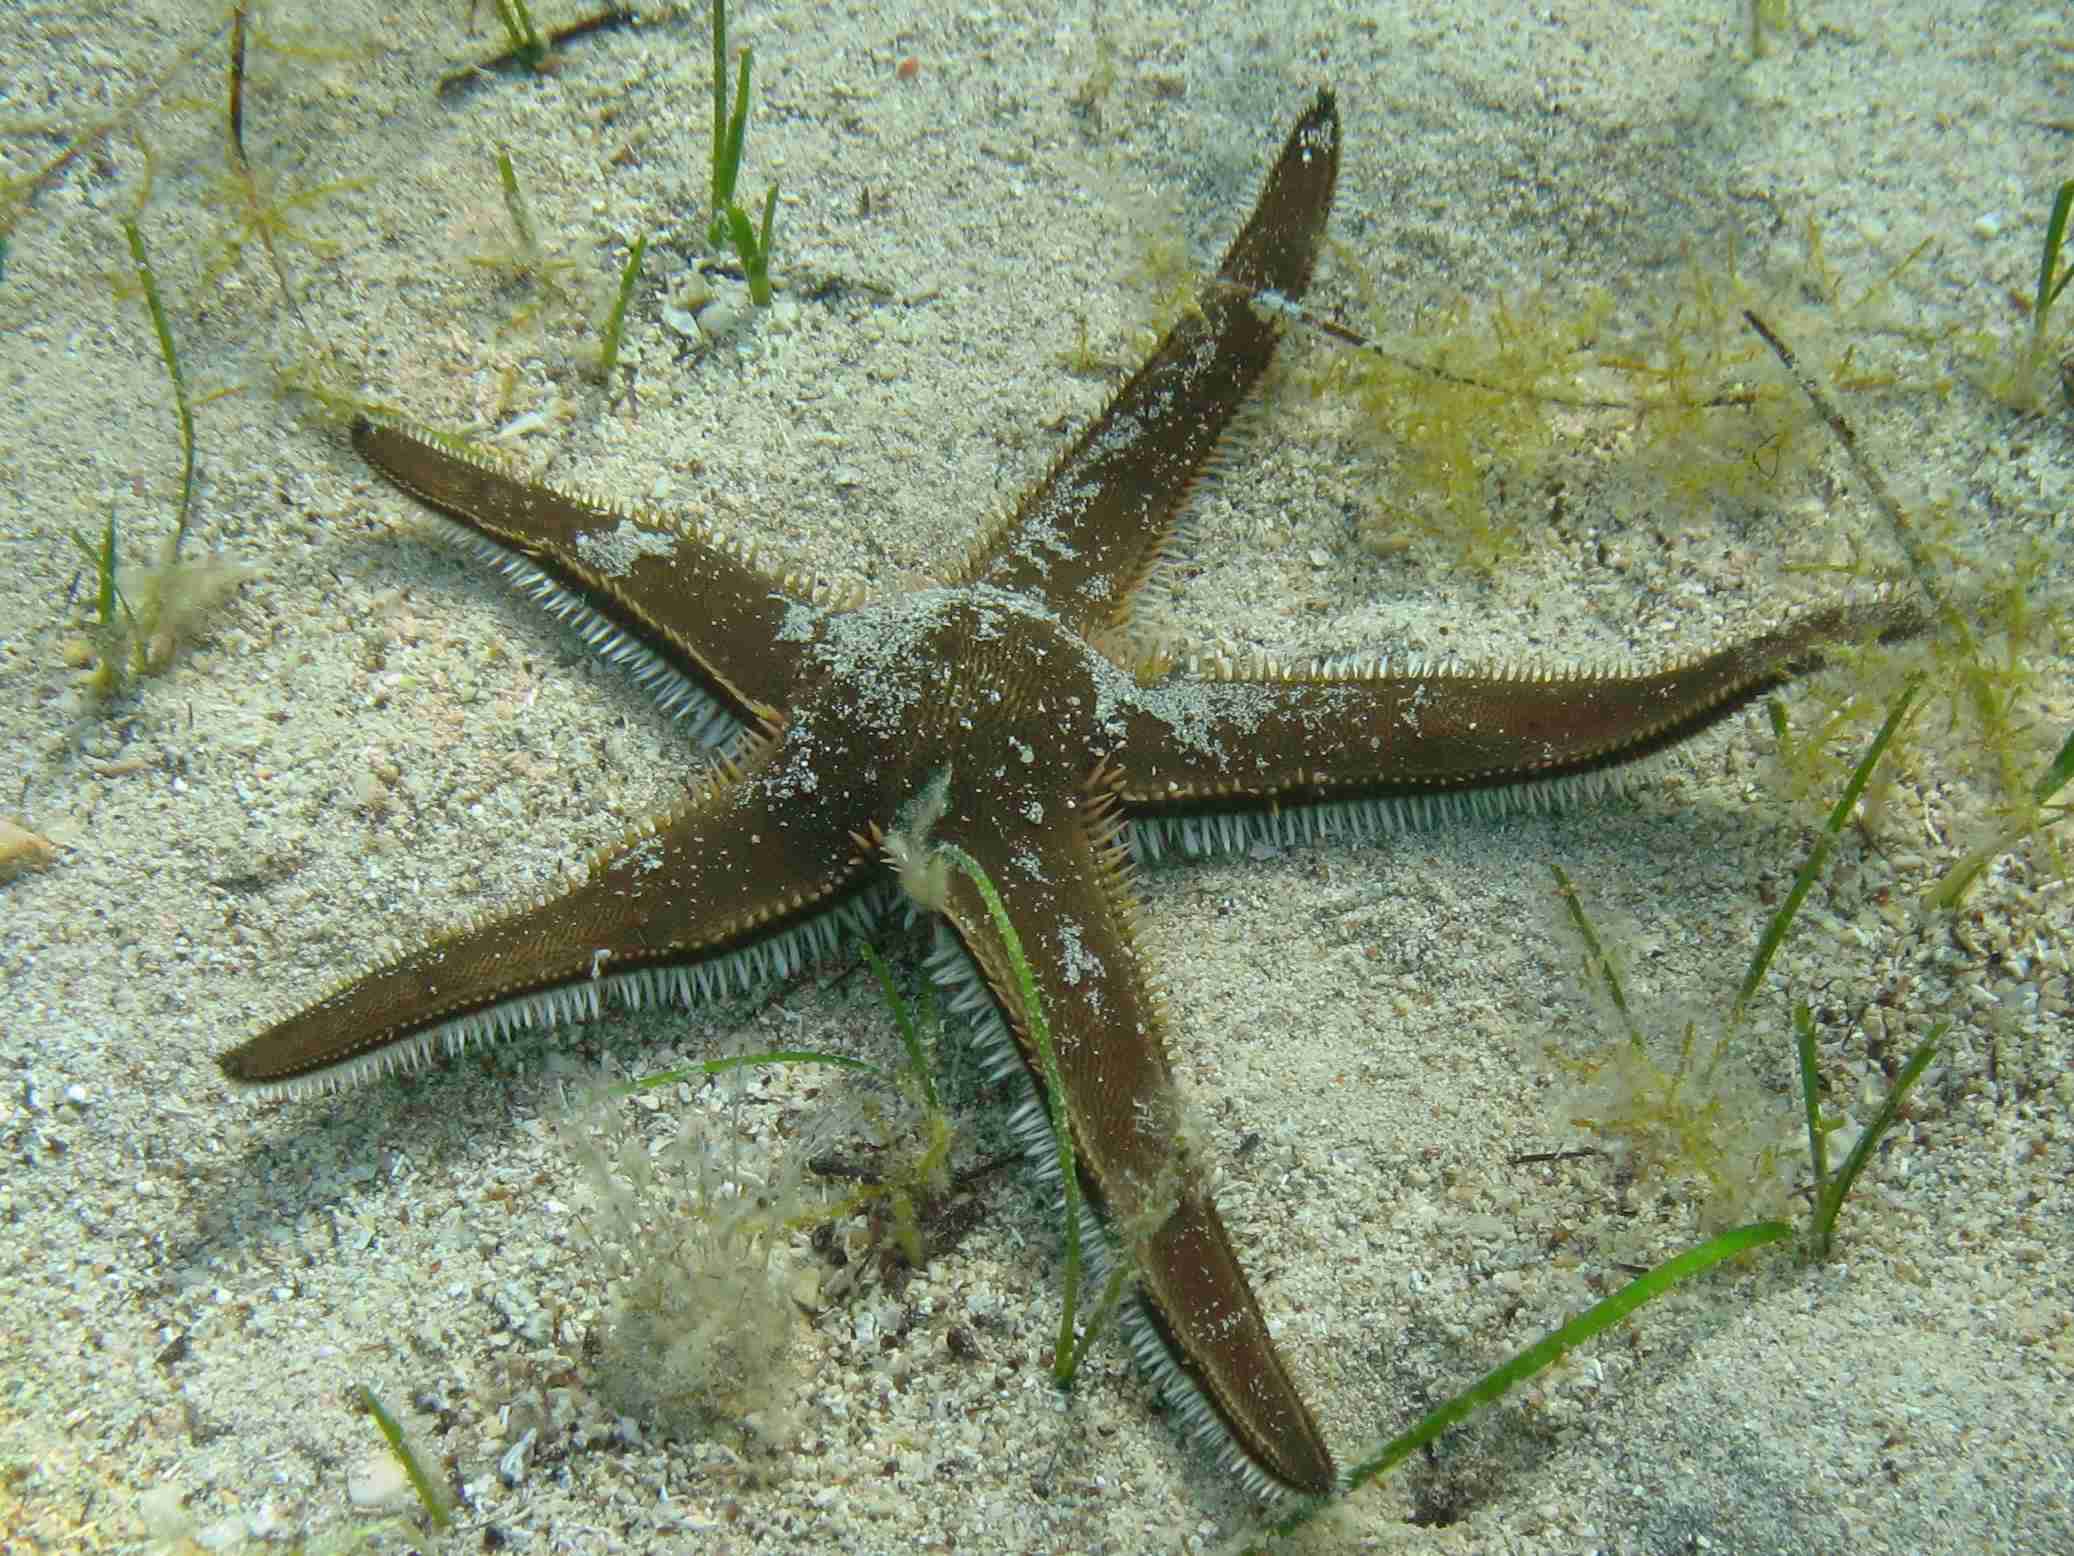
{"x": 370, "y": 740}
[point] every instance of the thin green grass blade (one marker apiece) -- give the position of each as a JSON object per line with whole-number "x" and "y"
{"x": 148, "y": 280}
{"x": 1601, "y": 963}
{"x": 526, "y": 46}
{"x": 615, "y": 322}
{"x": 1775, "y": 931}
{"x": 1595, "y": 1320}
{"x": 759, "y": 265}
{"x": 723, "y": 171}
{"x": 105, "y": 591}
{"x": 2052, "y": 277}
{"x": 103, "y": 564}
{"x": 2057, "y": 775}
{"x": 237, "y": 79}
{"x": 392, "y": 1432}
{"x": 515, "y": 205}
{"x": 708, "y": 1067}
{"x": 1810, "y": 1096}
{"x": 1104, "y": 1314}
{"x": 738, "y": 124}
{"x": 107, "y": 594}
{"x": 731, "y": 129}
{"x": 756, "y": 264}
{"x": 743, "y": 237}
{"x": 1958, "y": 881}
{"x": 1066, "y": 1355}
{"x": 904, "y": 1019}
{"x": 1832, "y": 1204}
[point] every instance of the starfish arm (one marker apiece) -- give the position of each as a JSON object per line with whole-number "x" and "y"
{"x": 1387, "y": 747}
{"x": 1090, "y": 533}
{"x": 1196, "y": 1323}
{"x": 716, "y": 896}
{"x": 700, "y": 621}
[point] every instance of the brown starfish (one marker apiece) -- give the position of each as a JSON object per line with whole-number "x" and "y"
{"x": 989, "y": 713}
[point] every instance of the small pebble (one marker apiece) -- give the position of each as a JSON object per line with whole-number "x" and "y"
{"x": 21, "y": 849}
{"x": 163, "y": 1514}
{"x": 225, "y": 1534}
{"x": 511, "y": 1469}
{"x": 723, "y": 317}
{"x": 378, "y": 1483}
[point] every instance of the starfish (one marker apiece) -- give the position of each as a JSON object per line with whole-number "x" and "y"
{"x": 1001, "y": 712}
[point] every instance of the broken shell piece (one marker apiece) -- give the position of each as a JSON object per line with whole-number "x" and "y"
{"x": 707, "y": 313}
{"x": 725, "y": 313}
{"x": 681, "y": 321}
{"x": 21, "y": 849}
{"x": 681, "y": 313}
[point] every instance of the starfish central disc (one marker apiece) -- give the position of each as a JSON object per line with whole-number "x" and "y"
{"x": 974, "y": 687}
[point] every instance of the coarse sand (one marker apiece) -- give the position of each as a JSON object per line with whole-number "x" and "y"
{"x": 370, "y": 740}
